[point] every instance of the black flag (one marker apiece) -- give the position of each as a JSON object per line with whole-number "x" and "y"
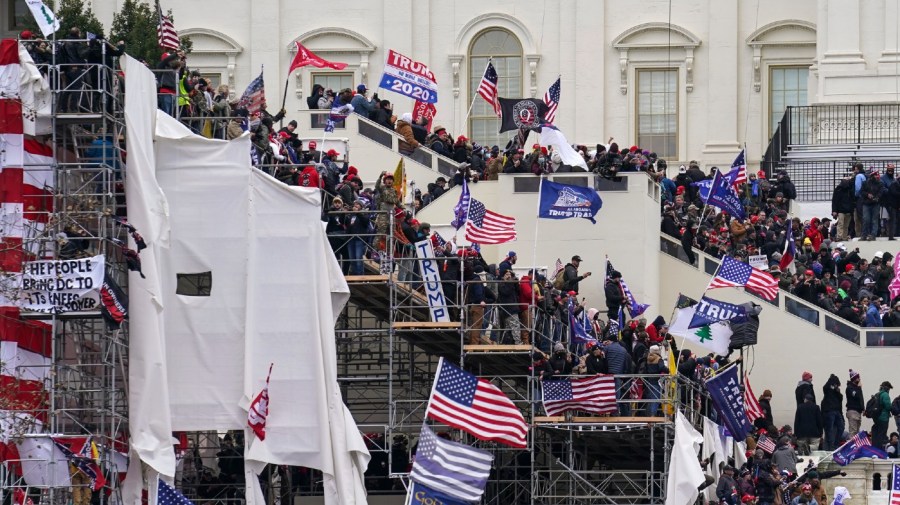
{"x": 114, "y": 308}
{"x": 521, "y": 113}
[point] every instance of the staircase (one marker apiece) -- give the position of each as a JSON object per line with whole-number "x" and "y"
{"x": 817, "y": 144}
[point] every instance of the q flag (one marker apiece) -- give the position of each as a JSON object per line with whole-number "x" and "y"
{"x": 562, "y": 201}
{"x": 725, "y": 393}
{"x": 521, "y": 113}
{"x": 409, "y": 77}
{"x": 723, "y": 196}
{"x": 711, "y": 311}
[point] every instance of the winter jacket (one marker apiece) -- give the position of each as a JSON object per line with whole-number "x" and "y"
{"x": 885, "y": 399}
{"x": 785, "y": 457}
{"x": 833, "y": 400}
{"x": 766, "y": 407}
{"x": 405, "y": 130}
{"x": 571, "y": 278}
{"x": 726, "y": 490}
{"x": 855, "y": 400}
{"x": 508, "y": 297}
{"x": 618, "y": 358}
{"x": 804, "y": 388}
{"x": 596, "y": 364}
{"x": 614, "y": 296}
{"x": 808, "y": 421}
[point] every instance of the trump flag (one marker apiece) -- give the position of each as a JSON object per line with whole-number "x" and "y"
{"x": 562, "y": 201}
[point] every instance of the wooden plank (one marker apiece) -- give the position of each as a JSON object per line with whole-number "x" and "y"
{"x": 366, "y": 278}
{"x": 550, "y": 419}
{"x": 412, "y": 325}
{"x": 484, "y": 349}
{"x": 619, "y": 420}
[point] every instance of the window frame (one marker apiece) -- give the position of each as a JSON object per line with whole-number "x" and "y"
{"x": 771, "y": 68}
{"x": 475, "y": 76}
{"x": 638, "y": 70}
{"x": 335, "y": 73}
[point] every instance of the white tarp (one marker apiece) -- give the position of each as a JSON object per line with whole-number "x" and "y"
{"x": 276, "y": 290}
{"x": 684, "y": 475}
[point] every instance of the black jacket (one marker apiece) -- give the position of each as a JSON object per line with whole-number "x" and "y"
{"x": 833, "y": 400}
{"x": 808, "y": 421}
{"x": 571, "y": 278}
{"x": 804, "y": 388}
{"x": 855, "y": 399}
{"x": 595, "y": 365}
{"x": 843, "y": 200}
{"x": 614, "y": 296}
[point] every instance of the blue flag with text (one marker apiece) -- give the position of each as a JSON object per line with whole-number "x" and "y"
{"x": 725, "y": 392}
{"x": 723, "y": 195}
{"x": 563, "y": 201}
{"x": 711, "y": 311}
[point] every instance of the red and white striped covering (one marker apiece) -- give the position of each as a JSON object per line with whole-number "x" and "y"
{"x": 25, "y": 346}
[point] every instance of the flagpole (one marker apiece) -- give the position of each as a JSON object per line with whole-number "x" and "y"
{"x": 472, "y": 105}
{"x": 534, "y": 263}
{"x": 287, "y": 80}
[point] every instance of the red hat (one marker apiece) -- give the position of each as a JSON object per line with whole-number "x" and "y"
{"x": 810, "y": 272}
{"x": 331, "y": 153}
{"x": 163, "y": 56}
{"x": 571, "y": 293}
{"x": 461, "y": 138}
{"x": 754, "y": 219}
{"x": 679, "y": 190}
{"x": 848, "y": 267}
{"x": 633, "y": 148}
{"x": 26, "y": 34}
{"x": 747, "y": 498}
{"x": 761, "y": 173}
{"x": 284, "y": 135}
{"x": 312, "y": 144}
{"x": 544, "y": 151}
{"x": 351, "y": 170}
{"x": 413, "y": 222}
{"x": 723, "y": 229}
{"x": 807, "y": 376}
{"x": 536, "y": 146}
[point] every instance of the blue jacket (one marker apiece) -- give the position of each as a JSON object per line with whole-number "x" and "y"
{"x": 618, "y": 358}
{"x": 873, "y": 317}
{"x": 362, "y": 106}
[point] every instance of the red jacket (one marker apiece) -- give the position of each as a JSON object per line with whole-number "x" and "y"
{"x": 309, "y": 178}
{"x": 525, "y": 292}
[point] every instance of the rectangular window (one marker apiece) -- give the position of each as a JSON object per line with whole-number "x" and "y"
{"x": 787, "y": 87}
{"x": 335, "y": 82}
{"x": 657, "y": 112}
{"x": 199, "y": 284}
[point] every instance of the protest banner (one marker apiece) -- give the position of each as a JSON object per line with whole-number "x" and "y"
{"x": 426, "y": 110}
{"x": 57, "y": 286}
{"x": 431, "y": 276}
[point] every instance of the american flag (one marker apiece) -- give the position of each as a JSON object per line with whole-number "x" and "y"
{"x": 165, "y": 31}
{"x": 766, "y": 444}
{"x": 551, "y": 98}
{"x": 895, "y": 486}
{"x": 259, "y": 410}
{"x": 790, "y": 249}
{"x": 740, "y": 165}
{"x": 487, "y": 227}
{"x": 168, "y": 495}
{"x": 595, "y": 394}
{"x": 254, "y": 97}
{"x": 636, "y": 390}
{"x": 476, "y": 406}
{"x": 488, "y": 87}
{"x": 456, "y": 470}
{"x": 751, "y": 404}
{"x": 733, "y": 274}
{"x": 558, "y": 268}
{"x": 437, "y": 241}
{"x": 461, "y": 211}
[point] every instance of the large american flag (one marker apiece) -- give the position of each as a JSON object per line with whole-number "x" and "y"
{"x": 595, "y": 394}
{"x": 476, "y": 406}
{"x": 487, "y": 227}
{"x": 551, "y": 98}
{"x": 739, "y": 164}
{"x": 254, "y": 97}
{"x": 456, "y": 470}
{"x": 895, "y": 486}
{"x": 487, "y": 88}
{"x": 733, "y": 273}
{"x": 168, "y": 495}
{"x": 751, "y": 404}
{"x": 165, "y": 31}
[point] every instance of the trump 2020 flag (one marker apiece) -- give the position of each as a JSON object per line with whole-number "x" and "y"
{"x": 259, "y": 410}
{"x": 725, "y": 392}
{"x": 723, "y": 196}
{"x": 704, "y": 185}
{"x": 461, "y": 211}
{"x": 711, "y": 311}
{"x": 563, "y": 201}
{"x": 456, "y": 470}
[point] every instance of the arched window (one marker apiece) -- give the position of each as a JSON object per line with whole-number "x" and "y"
{"x": 505, "y": 50}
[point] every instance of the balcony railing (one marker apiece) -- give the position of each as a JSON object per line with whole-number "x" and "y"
{"x": 812, "y": 314}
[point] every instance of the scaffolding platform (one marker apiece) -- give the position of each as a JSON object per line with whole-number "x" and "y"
{"x": 499, "y": 360}
{"x": 619, "y": 420}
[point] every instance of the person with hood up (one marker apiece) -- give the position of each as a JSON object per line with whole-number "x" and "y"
{"x": 804, "y": 387}
{"x": 855, "y": 403}
{"x": 832, "y": 412}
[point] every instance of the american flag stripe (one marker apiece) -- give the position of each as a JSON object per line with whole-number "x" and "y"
{"x": 596, "y": 394}
{"x": 733, "y": 273}
{"x": 751, "y": 404}
{"x": 740, "y": 165}
{"x": 461, "y": 400}
{"x": 165, "y": 31}
{"x": 488, "y": 227}
{"x": 551, "y": 98}
{"x": 254, "y": 97}
{"x": 895, "y": 486}
{"x": 766, "y": 444}
{"x": 487, "y": 88}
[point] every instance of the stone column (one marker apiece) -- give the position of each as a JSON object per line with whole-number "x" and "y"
{"x": 268, "y": 50}
{"x": 840, "y": 39}
{"x": 722, "y": 68}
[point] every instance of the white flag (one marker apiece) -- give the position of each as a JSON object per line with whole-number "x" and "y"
{"x": 46, "y": 19}
{"x": 551, "y": 136}
{"x": 685, "y": 473}
{"x": 716, "y": 337}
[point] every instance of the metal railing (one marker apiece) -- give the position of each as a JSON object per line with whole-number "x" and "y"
{"x": 812, "y": 314}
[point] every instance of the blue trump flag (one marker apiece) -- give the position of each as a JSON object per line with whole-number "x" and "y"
{"x": 857, "y": 447}
{"x": 728, "y": 399}
{"x": 704, "y": 185}
{"x": 723, "y": 195}
{"x": 461, "y": 210}
{"x": 420, "y": 494}
{"x": 562, "y": 201}
{"x": 709, "y": 311}
{"x": 580, "y": 328}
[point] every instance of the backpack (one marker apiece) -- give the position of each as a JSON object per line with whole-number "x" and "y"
{"x": 559, "y": 281}
{"x": 873, "y": 406}
{"x": 895, "y": 406}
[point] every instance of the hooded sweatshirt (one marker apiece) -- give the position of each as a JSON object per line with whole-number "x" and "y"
{"x": 804, "y": 388}
{"x": 833, "y": 400}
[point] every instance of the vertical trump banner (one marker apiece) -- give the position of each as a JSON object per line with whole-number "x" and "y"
{"x": 431, "y": 276}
